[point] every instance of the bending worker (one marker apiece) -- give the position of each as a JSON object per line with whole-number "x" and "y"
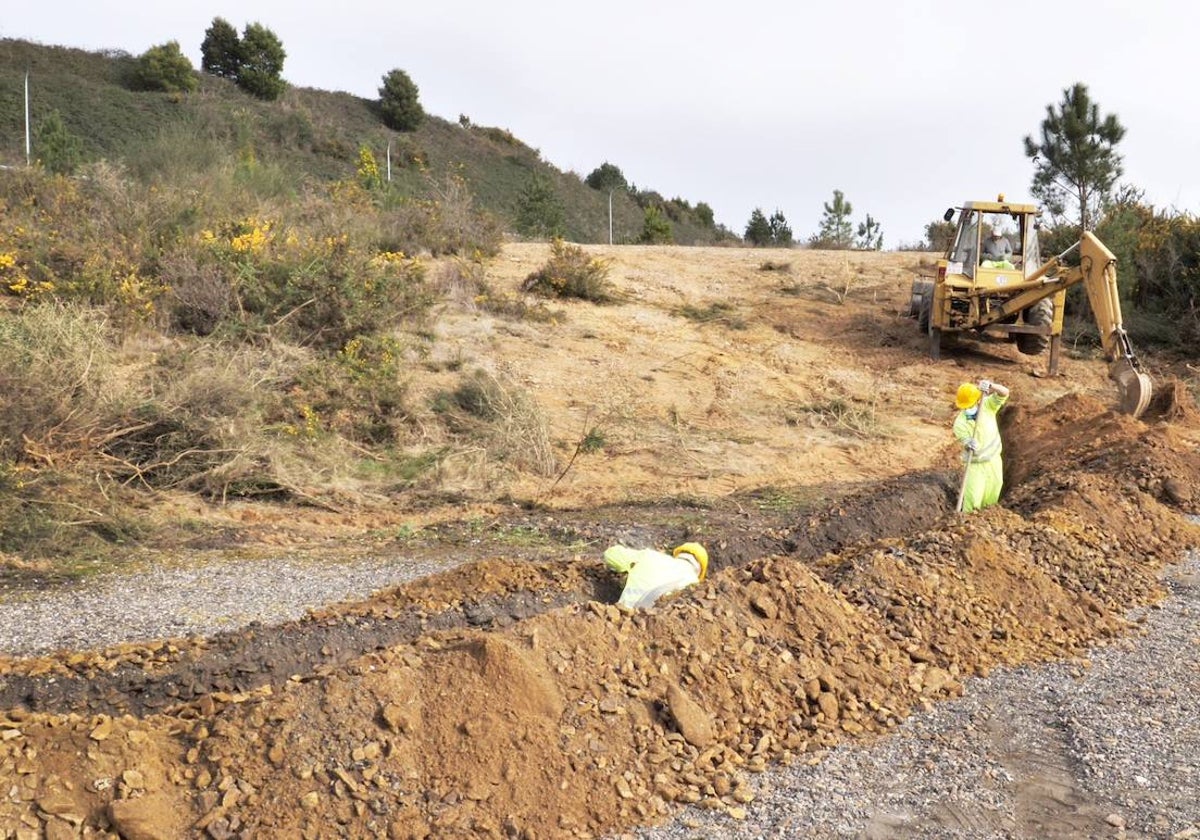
{"x": 976, "y": 429}
{"x": 652, "y": 574}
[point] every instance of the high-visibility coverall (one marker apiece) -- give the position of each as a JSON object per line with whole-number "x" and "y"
{"x": 985, "y": 470}
{"x": 651, "y": 574}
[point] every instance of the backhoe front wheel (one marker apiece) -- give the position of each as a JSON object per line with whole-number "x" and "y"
{"x": 1041, "y": 314}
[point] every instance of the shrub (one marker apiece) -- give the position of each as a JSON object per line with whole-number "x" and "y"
{"x": 165, "y": 68}
{"x": 314, "y": 289}
{"x": 571, "y": 273}
{"x": 399, "y": 102}
{"x": 501, "y": 417}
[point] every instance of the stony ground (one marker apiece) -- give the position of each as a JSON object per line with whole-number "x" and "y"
{"x": 492, "y": 690}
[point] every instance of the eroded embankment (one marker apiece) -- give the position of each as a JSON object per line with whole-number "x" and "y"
{"x": 586, "y": 717}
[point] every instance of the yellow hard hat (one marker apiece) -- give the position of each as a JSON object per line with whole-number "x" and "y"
{"x": 697, "y": 551}
{"x": 968, "y": 394}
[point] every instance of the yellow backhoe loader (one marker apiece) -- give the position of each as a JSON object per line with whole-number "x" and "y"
{"x": 993, "y": 281}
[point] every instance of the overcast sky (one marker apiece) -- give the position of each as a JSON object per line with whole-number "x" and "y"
{"x": 907, "y": 107}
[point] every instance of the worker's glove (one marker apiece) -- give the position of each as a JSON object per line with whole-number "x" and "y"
{"x": 972, "y": 445}
{"x": 985, "y": 385}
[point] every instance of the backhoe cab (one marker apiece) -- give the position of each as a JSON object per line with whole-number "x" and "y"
{"x": 992, "y": 282}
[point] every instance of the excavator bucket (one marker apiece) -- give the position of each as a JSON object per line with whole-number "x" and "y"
{"x": 1134, "y": 388}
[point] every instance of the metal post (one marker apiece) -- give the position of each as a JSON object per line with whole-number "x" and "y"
{"x": 610, "y": 217}
{"x": 28, "y": 158}
{"x": 389, "y": 160}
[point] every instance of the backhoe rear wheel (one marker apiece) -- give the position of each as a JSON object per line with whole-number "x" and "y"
{"x": 1041, "y": 314}
{"x": 920, "y": 287}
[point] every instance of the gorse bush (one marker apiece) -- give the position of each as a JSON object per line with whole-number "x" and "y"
{"x": 313, "y": 289}
{"x": 571, "y": 273}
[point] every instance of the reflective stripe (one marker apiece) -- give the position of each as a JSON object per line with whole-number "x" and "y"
{"x": 988, "y": 452}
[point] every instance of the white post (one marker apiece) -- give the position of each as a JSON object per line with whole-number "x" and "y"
{"x": 389, "y": 160}
{"x": 28, "y": 159}
{"x": 610, "y": 217}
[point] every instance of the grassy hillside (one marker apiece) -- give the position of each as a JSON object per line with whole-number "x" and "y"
{"x": 307, "y": 135}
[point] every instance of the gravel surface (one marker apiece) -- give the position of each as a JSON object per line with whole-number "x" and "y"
{"x": 1068, "y": 750}
{"x": 161, "y": 602}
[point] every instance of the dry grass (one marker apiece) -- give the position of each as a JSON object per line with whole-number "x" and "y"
{"x": 497, "y": 417}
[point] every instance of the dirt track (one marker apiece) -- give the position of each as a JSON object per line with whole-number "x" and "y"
{"x": 508, "y": 699}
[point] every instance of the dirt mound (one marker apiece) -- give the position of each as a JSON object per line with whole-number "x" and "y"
{"x": 510, "y": 700}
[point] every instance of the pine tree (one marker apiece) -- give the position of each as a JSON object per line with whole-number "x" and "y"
{"x": 1076, "y": 164}
{"x": 221, "y": 50}
{"x": 58, "y": 150}
{"x": 758, "y": 229}
{"x": 836, "y": 230}
{"x": 781, "y": 232}
{"x": 399, "y": 102}
{"x": 606, "y": 176}
{"x": 870, "y": 235}
{"x": 656, "y": 228}
{"x": 539, "y": 212}
{"x": 260, "y": 72}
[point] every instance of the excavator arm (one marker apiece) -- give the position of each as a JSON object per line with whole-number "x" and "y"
{"x": 1097, "y": 270}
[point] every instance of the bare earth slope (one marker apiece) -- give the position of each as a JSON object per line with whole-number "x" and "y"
{"x": 508, "y": 698}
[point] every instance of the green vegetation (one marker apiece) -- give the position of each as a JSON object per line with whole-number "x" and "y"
{"x": 1075, "y": 161}
{"x": 836, "y": 230}
{"x": 165, "y": 68}
{"x": 220, "y": 51}
{"x": 539, "y": 211}
{"x": 607, "y": 176}
{"x": 59, "y": 151}
{"x": 253, "y": 62}
{"x": 870, "y": 235}
{"x": 399, "y": 102}
{"x": 301, "y": 141}
{"x": 656, "y": 227}
{"x": 768, "y": 233}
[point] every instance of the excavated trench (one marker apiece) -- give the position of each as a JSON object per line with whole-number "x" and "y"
{"x": 161, "y": 677}
{"x": 512, "y": 700}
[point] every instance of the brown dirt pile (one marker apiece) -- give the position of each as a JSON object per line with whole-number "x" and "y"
{"x": 571, "y": 717}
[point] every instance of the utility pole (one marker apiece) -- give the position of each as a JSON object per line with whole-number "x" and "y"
{"x": 389, "y": 160}
{"x": 610, "y": 217}
{"x": 28, "y": 159}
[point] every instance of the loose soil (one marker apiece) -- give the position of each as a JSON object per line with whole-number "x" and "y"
{"x": 802, "y": 437}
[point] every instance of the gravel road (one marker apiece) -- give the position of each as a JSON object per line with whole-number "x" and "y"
{"x": 163, "y": 601}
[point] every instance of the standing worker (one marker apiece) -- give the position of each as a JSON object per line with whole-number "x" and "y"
{"x": 976, "y": 429}
{"x": 653, "y": 574}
